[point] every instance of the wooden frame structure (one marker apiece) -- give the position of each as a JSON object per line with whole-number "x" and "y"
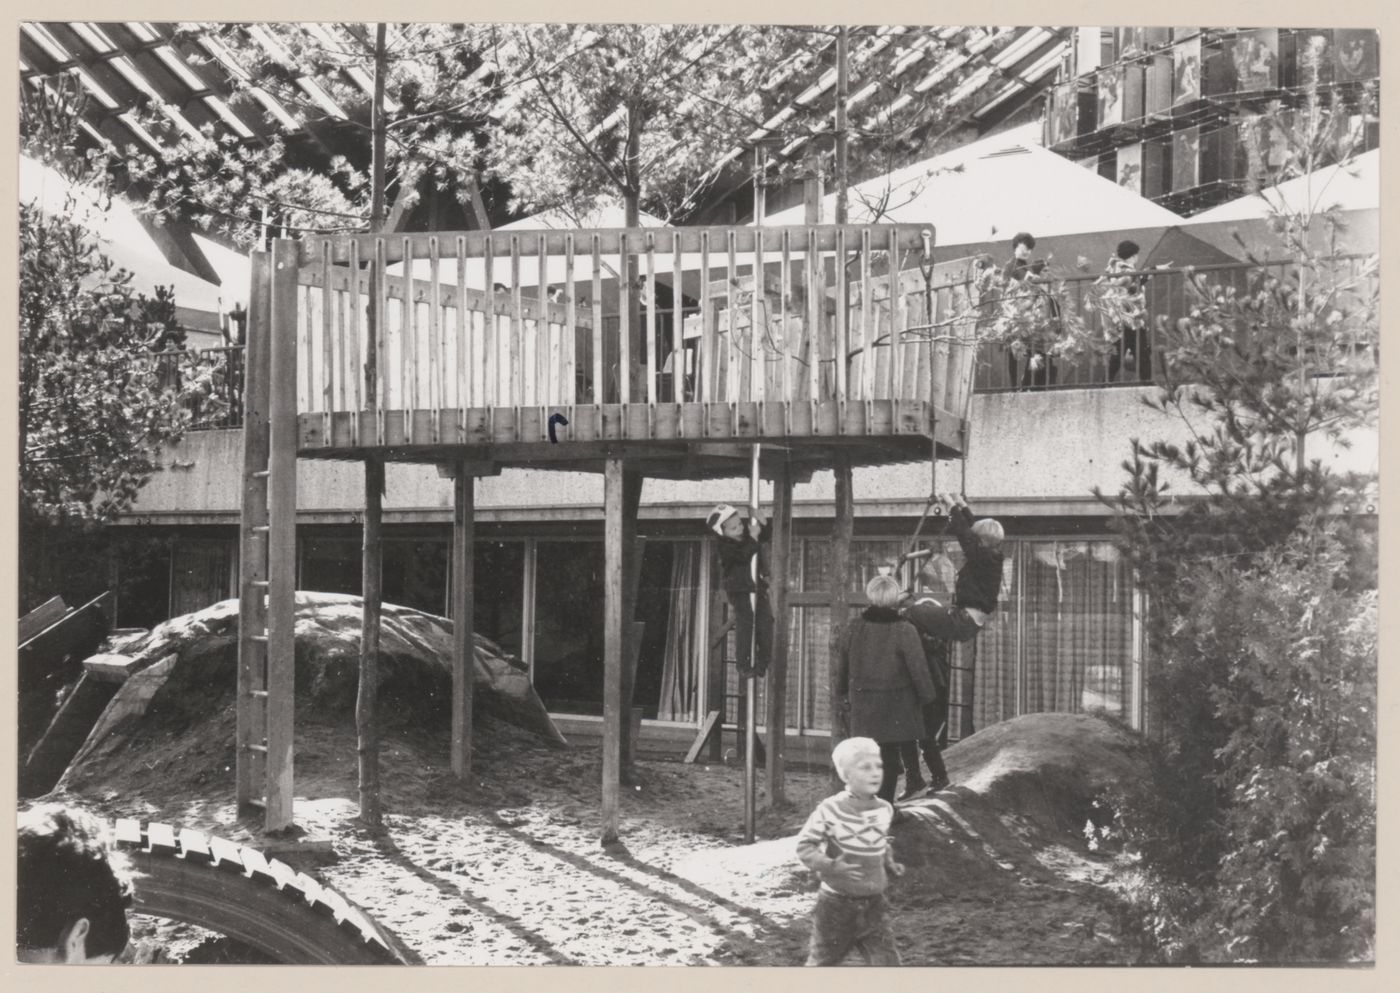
{"x": 478, "y": 351}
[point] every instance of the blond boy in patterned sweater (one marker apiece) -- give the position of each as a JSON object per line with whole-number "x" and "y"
{"x": 846, "y": 842}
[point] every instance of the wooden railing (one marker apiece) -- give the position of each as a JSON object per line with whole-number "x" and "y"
{"x": 517, "y": 318}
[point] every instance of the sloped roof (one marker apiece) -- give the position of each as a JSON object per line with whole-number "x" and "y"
{"x": 989, "y": 189}
{"x": 125, "y": 240}
{"x": 1352, "y": 185}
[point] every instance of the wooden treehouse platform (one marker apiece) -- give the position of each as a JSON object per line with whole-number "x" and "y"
{"x": 664, "y": 352}
{"x": 468, "y": 345}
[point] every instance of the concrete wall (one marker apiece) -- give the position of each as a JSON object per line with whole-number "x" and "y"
{"x": 1034, "y": 453}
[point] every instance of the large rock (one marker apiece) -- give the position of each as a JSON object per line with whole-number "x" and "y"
{"x": 414, "y": 672}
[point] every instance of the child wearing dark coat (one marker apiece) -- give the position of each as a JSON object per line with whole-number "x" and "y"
{"x": 745, "y": 584}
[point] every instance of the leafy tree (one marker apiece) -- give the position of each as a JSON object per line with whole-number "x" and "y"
{"x": 99, "y": 388}
{"x": 1257, "y": 834}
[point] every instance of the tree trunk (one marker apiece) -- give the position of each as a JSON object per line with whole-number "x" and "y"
{"x": 366, "y": 701}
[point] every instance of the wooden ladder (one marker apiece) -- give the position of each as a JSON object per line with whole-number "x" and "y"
{"x": 267, "y": 542}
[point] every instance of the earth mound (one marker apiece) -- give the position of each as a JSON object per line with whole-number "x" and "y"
{"x": 181, "y": 699}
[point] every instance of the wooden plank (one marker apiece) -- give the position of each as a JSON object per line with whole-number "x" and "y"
{"x": 542, "y": 377}
{"x": 42, "y": 616}
{"x": 867, "y": 318}
{"x": 784, "y": 290}
{"x": 517, "y": 331}
{"x": 732, "y": 372}
{"x": 379, "y": 335}
{"x": 611, "y": 240}
{"x": 709, "y": 730}
{"x": 463, "y": 619}
{"x": 371, "y": 610}
{"x": 599, "y": 395}
{"x": 489, "y": 327}
{"x": 624, "y": 322}
{"x": 678, "y": 370}
{"x": 707, "y": 363}
{"x": 435, "y": 356}
{"x": 756, "y": 307}
{"x": 355, "y": 306}
{"x": 612, "y": 646}
{"x": 570, "y": 324}
{"x": 776, "y": 687}
{"x": 842, "y": 341}
{"x": 651, "y": 318}
{"x": 895, "y": 318}
{"x": 250, "y": 717}
{"x": 408, "y": 354}
{"x": 816, "y": 299}
{"x": 466, "y": 359}
{"x": 281, "y": 536}
{"x": 109, "y": 667}
{"x": 328, "y": 334}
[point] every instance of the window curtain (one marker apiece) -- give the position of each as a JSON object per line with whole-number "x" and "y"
{"x": 1077, "y": 628}
{"x": 683, "y": 662}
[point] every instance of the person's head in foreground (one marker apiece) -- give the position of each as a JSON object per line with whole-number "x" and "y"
{"x": 1022, "y": 244}
{"x": 73, "y": 889}
{"x": 1128, "y": 252}
{"x": 724, "y": 521}
{"x": 883, "y": 591}
{"x": 857, "y": 762}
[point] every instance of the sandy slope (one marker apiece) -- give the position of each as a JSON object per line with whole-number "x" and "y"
{"x": 508, "y": 870}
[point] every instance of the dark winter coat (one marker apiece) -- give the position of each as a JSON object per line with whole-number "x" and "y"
{"x": 736, "y": 561}
{"x": 979, "y": 579}
{"x": 882, "y": 677}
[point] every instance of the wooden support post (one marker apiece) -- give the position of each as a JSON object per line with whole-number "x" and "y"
{"x": 613, "y": 539}
{"x": 463, "y": 619}
{"x": 778, "y": 664}
{"x": 252, "y": 541}
{"x": 282, "y": 535}
{"x": 371, "y": 604}
{"x": 840, "y": 569}
{"x": 635, "y": 545}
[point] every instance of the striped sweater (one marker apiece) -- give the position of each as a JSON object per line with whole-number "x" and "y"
{"x": 855, "y": 828}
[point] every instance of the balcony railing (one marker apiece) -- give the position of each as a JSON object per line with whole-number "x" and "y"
{"x": 213, "y": 379}
{"x": 1141, "y": 354}
{"x": 517, "y": 319}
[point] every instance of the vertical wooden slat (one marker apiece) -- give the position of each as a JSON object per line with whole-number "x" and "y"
{"x": 355, "y": 305}
{"x": 328, "y": 335}
{"x": 708, "y": 364}
{"x": 371, "y": 612}
{"x": 896, "y": 324}
{"x": 408, "y": 341}
{"x": 814, "y": 317}
{"x": 544, "y": 369}
{"x": 613, "y": 539}
{"x": 517, "y": 330}
{"x": 651, "y": 317}
{"x": 785, "y": 279}
{"x": 678, "y": 369}
{"x": 281, "y": 536}
{"x": 378, "y": 290}
{"x": 599, "y": 394}
{"x": 435, "y": 356}
{"x": 251, "y": 716}
{"x": 624, "y": 322}
{"x": 867, "y": 317}
{"x": 465, "y": 355}
{"x": 842, "y": 341}
{"x": 463, "y": 619}
{"x": 305, "y": 387}
{"x": 570, "y": 322}
{"x": 756, "y": 307}
{"x": 778, "y": 666}
{"x": 488, "y": 324}
{"x": 732, "y": 380}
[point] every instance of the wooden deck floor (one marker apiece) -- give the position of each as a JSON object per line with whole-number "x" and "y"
{"x": 674, "y": 440}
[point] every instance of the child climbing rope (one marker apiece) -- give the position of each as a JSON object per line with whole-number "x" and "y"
{"x": 739, "y": 544}
{"x": 978, "y": 585}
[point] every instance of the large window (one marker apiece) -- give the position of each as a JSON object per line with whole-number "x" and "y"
{"x": 1060, "y": 640}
